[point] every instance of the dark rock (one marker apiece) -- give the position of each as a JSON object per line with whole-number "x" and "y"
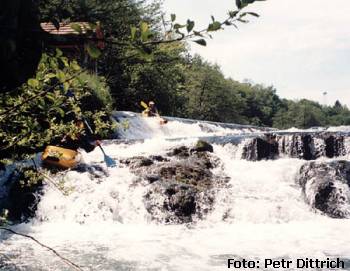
{"x": 308, "y": 147}
{"x": 158, "y": 158}
{"x": 292, "y": 145}
{"x": 334, "y": 146}
{"x": 182, "y": 151}
{"x": 202, "y": 146}
{"x": 180, "y": 190}
{"x": 136, "y": 162}
{"x": 301, "y": 145}
{"x": 261, "y": 148}
{"x": 174, "y": 203}
{"x": 152, "y": 178}
{"x": 180, "y": 200}
{"x": 22, "y": 197}
{"x": 2, "y": 166}
{"x": 326, "y": 187}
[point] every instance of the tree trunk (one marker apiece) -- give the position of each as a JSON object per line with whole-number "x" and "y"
{"x": 20, "y": 46}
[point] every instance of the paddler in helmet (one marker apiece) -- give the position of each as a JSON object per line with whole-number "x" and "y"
{"x": 152, "y": 111}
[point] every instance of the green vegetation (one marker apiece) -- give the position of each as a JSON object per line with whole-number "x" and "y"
{"x": 144, "y": 57}
{"x": 44, "y": 110}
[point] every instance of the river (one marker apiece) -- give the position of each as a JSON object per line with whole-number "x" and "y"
{"x": 103, "y": 225}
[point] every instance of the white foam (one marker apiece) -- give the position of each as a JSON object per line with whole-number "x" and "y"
{"x": 103, "y": 225}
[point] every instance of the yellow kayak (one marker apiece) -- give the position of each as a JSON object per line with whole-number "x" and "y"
{"x": 161, "y": 120}
{"x": 144, "y": 114}
{"x": 60, "y": 157}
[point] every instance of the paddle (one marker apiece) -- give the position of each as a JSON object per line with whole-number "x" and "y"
{"x": 143, "y": 104}
{"x": 108, "y": 160}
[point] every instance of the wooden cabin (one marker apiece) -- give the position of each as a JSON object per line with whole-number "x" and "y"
{"x": 73, "y": 43}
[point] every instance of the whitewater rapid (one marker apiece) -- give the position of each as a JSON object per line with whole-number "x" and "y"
{"x": 102, "y": 223}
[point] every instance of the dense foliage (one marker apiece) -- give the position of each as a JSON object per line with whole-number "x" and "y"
{"x": 46, "y": 108}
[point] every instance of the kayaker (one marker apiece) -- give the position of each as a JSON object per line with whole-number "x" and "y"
{"x": 151, "y": 110}
{"x": 65, "y": 154}
{"x": 86, "y": 141}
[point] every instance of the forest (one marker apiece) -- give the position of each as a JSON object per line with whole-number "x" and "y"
{"x": 143, "y": 55}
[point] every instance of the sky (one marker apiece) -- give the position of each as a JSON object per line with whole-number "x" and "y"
{"x": 300, "y": 47}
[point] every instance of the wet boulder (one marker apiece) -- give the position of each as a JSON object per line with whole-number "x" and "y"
{"x": 181, "y": 152}
{"x": 202, "y": 146}
{"x": 310, "y": 146}
{"x": 301, "y": 145}
{"x": 325, "y": 186}
{"x": 137, "y": 162}
{"x": 181, "y": 187}
{"x": 334, "y": 145}
{"x": 21, "y": 196}
{"x": 261, "y": 148}
{"x": 174, "y": 202}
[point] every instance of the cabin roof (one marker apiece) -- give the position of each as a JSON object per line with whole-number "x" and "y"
{"x": 65, "y": 28}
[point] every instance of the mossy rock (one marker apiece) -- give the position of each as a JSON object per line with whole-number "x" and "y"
{"x": 202, "y": 146}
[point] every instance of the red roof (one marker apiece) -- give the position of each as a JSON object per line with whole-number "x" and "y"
{"x": 65, "y": 28}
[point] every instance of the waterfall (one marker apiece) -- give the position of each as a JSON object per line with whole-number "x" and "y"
{"x": 258, "y": 211}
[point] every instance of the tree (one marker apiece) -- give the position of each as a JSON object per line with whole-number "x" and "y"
{"x": 43, "y": 111}
{"x": 20, "y": 49}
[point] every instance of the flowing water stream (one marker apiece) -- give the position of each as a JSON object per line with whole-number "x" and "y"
{"x": 103, "y": 225}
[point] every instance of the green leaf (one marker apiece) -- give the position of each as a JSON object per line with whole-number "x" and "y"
{"x": 76, "y": 27}
{"x": 242, "y": 21}
{"x": 214, "y": 26}
{"x": 190, "y": 25}
{"x": 93, "y": 51}
{"x": 178, "y": 26}
{"x": 65, "y": 86}
{"x": 60, "y": 111}
{"x": 145, "y": 32}
{"x": 197, "y": 34}
{"x": 64, "y": 61}
{"x": 133, "y": 32}
{"x": 201, "y": 42}
{"x": 233, "y": 13}
{"x": 51, "y": 97}
{"x": 61, "y": 76}
{"x": 180, "y": 33}
{"x": 74, "y": 65}
{"x": 253, "y": 14}
{"x": 53, "y": 63}
{"x": 92, "y": 26}
{"x": 243, "y": 3}
{"x": 58, "y": 52}
{"x": 33, "y": 83}
{"x": 144, "y": 28}
{"x": 247, "y": 1}
{"x": 50, "y": 75}
{"x": 173, "y": 17}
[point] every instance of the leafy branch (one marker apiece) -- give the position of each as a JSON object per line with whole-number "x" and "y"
{"x": 142, "y": 36}
{"x": 43, "y": 111}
